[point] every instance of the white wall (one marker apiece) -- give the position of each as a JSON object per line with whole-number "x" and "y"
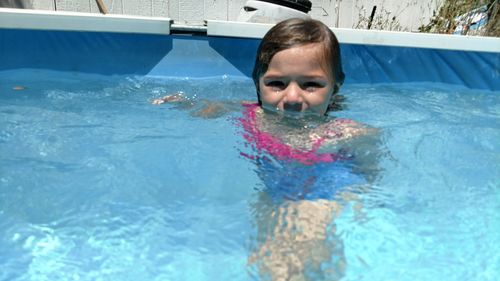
{"x": 409, "y": 14}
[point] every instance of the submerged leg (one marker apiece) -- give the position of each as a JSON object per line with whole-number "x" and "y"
{"x": 297, "y": 242}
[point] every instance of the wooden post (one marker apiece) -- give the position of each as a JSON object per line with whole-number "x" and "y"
{"x": 371, "y": 17}
{"x": 102, "y": 7}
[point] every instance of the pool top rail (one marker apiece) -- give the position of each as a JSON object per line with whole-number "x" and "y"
{"x": 131, "y": 45}
{"x": 73, "y": 21}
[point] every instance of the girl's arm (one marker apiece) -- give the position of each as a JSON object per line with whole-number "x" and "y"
{"x": 200, "y": 108}
{"x": 360, "y": 143}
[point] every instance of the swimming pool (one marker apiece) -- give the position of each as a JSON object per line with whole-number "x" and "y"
{"x": 98, "y": 184}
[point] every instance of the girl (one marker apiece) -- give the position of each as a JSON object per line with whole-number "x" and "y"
{"x": 305, "y": 158}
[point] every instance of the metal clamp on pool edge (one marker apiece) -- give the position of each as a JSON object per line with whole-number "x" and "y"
{"x": 273, "y": 11}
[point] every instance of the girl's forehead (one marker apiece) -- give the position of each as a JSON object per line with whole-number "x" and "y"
{"x": 296, "y": 53}
{"x": 301, "y": 57}
{"x": 312, "y": 48}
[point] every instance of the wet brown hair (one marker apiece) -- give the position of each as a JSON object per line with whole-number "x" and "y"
{"x": 298, "y": 32}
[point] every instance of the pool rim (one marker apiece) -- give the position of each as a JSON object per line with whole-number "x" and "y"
{"x": 77, "y": 21}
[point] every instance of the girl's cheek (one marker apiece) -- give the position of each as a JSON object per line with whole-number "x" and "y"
{"x": 269, "y": 97}
{"x": 270, "y": 102}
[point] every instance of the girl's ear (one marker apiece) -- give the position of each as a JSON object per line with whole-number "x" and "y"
{"x": 336, "y": 88}
{"x": 335, "y": 100}
{"x": 257, "y": 91}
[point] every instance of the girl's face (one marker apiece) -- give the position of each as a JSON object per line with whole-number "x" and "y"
{"x": 297, "y": 81}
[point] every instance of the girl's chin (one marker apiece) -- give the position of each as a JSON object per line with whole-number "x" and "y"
{"x": 304, "y": 114}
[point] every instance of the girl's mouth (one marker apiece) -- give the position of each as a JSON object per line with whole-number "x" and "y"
{"x": 295, "y": 107}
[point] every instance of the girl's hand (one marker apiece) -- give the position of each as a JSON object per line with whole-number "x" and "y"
{"x": 178, "y": 97}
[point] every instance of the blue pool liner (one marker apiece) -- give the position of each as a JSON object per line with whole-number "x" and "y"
{"x": 110, "y": 53}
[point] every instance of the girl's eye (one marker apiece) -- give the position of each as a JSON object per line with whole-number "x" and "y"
{"x": 276, "y": 85}
{"x": 311, "y": 86}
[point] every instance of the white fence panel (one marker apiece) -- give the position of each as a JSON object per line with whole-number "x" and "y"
{"x": 404, "y": 15}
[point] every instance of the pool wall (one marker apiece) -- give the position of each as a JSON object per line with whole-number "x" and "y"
{"x": 148, "y": 46}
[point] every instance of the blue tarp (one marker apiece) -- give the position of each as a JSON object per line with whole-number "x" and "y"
{"x": 202, "y": 56}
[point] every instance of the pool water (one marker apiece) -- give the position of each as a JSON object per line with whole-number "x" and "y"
{"x": 98, "y": 184}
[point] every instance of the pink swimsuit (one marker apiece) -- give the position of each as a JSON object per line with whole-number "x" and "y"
{"x": 293, "y": 174}
{"x": 266, "y": 142}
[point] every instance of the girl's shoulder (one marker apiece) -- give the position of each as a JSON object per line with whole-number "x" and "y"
{"x": 341, "y": 126}
{"x": 339, "y": 130}
{"x": 331, "y": 132}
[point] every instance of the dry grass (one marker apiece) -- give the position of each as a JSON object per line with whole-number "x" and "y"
{"x": 382, "y": 19}
{"x": 444, "y": 20}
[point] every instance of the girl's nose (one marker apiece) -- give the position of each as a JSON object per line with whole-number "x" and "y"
{"x": 293, "y": 98}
